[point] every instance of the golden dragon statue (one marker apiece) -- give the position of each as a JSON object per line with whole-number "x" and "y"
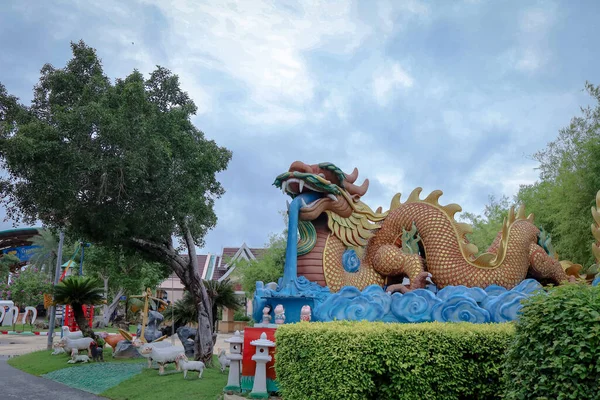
{"x": 343, "y": 242}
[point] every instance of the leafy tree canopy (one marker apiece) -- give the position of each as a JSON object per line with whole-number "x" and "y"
{"x": 122, "y": 268}
{"x": 569, "y": 180}
{"x": 108, "y": 162}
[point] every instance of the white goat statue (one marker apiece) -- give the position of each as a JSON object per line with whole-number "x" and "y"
{"x": 77, "y": 359}
{"x": 33, "y": 314}
{"x": 187, "y": 365}
{"x": 58, "y": 349}
{"x": 163, "y": 356}
{"x": 223, "y": 360}
{"x": 159, "y": 345}
{"x": 69, "y": 334}
{"x": 76, "y": 344}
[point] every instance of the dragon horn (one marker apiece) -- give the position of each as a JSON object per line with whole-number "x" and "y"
{"x": 358, "y": 190}
{"x": 350, "y": 178}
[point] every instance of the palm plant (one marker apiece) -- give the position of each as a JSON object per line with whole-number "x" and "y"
{"x": 46, "y": 251}
{"x": 221, "y": 294}
{"x": 77, "y": 291}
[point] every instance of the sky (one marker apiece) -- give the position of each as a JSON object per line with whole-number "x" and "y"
{"x": 450, "y": 95}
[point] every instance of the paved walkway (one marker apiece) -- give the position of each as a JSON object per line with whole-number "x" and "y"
{"x": 15, "y": 384}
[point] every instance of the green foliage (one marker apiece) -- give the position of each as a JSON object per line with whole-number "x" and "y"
{"x": 78, "y": 290}
{"x": 365, "y": 360}
{"x": 124, "y": 160}
{"x": 556, "y": 351}
{"x": 27, "y": 287}
{"x": 268, "y": 268}
{"x": 486, "y": 228}
{"x": 221, "y": 294}
{"x": 183, "y": 311}
{"x": 7, "y": 261}
{"x": 241, "y": 316}
{"x": 124, "y": 268}
{"x": 570, "y": 178}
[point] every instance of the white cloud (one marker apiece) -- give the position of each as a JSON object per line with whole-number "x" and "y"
{"x": 532, "y": 51}
{"x": 261, "y": 44}
{"x": 388, "y": 79}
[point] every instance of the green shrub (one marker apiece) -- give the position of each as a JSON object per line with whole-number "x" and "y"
{"x": 556, "y": 352}
{"x": 368, "y": 360}
{"x": 240, "y": 316}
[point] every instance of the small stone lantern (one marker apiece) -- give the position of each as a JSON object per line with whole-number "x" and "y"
{"x": 262, "y": 357}
{"x": 235, "y": 358}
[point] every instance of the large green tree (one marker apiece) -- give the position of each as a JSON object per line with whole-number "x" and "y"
{"x": 115, "y": 164}
{"x": 123, "y": 272}
{"x": 569, "y": 179}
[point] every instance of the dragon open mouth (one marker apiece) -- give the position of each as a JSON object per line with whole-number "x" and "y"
{"x": 294, "y": 183}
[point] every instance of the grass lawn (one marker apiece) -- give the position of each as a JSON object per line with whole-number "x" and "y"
{"x": 146, "y": 385}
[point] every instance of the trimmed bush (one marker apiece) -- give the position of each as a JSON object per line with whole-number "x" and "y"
{"x": 556, "y": 352}
{"x": 370, "y": 360}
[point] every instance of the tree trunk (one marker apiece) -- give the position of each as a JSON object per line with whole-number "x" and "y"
{"x": 108, "y": 310}
{"x": 187, "y": 271}
{"x": 82, "y": 322}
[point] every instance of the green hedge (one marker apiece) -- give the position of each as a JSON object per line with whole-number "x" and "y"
{"x": 556, "y": 352}
{"x": 365, "y": 360}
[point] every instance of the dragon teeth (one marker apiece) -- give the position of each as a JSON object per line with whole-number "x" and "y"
{"x": 304, "y": 203}
{"x": 301, "y": 184}
{"x": 332, "y": 197}
{"x": 284, "y": 186}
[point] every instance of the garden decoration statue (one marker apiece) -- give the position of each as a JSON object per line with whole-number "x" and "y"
{"x": 151, "y": 319}
{"x": 33, "y": 311}
{"x": 305, "y": 313}
{"x": 187, "y": 336}
{"x": 279, "y": 314}
{"x": 266, "y": 319}
{"x": 261, "y": 357}
{"x": 235, "y": 362}
{"x": 349, "y": 254}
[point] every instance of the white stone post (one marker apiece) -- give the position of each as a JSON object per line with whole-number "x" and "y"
{"x": 235, "y": 358}
{"x": 262, "y": 357}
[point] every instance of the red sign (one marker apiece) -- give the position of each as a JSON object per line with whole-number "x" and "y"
{"x": 248, "y": 365}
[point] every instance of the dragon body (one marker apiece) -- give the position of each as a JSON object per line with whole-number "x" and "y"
{"x": 343, "y": 242}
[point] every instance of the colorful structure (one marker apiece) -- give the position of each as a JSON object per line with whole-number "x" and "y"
{"x": 349, "y": 258}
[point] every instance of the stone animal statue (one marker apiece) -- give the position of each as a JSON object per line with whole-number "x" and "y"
{"x": 187, "y": 365}
{"x": 81, "y": 359}
{"x": 224, "y": 362}
{"x": 343, "y": 242}
{"x": 76, "y": 344}
{"x": 111, "y": 340}
{"x": 163, "y": 356}
{"x": 159, "y": 345}
{"x": 97, "y": 352}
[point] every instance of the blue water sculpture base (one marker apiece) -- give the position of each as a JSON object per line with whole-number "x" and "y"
{"x": 450, "y": 304}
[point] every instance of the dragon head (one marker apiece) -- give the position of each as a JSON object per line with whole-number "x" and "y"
{"x": 336, "y": 190}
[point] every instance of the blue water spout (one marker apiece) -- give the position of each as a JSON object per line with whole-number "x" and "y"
{"x": 290, "y": 270}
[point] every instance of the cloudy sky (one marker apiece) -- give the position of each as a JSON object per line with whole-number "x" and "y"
{"x": 451, "y": 95}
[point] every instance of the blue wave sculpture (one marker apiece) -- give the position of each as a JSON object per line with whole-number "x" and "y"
{"x": 450, "y": 304}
